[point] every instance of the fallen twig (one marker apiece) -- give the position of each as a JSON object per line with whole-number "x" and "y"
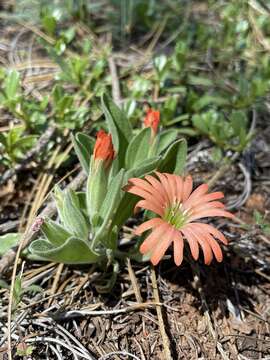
{"x": 9, "y": 225}
{"x": 85, "y": 312}
{"x": 164, "y": 336}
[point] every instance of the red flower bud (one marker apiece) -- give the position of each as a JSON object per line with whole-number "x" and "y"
{"x": 103, "y": 149}
{"x": 152, "y": 120}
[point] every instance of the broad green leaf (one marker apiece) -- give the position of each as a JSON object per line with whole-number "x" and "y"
{"x": 55, "y": 233}
{"x": 210, "y": 99}
{"x": 83, "y": 145}
{"x": 125, "y": 209}
{"x": 58, "y": 196}
{"x": 7, "y": 241}
{"x": 146, "y": 167}
{"x": 174, "y": 159}
{"x": 96, "y": 188}
{"x": 81, "y": 196}
{"x": 49, "y": 24}
{"x": 25, "y": 142}
{"x": 110, "y": 205}
{"x": 166, "y": 138}
{"x": 113, "y": 196}
{"x": 73, "y": 251}
{"x": 112, "y": 238}
{"x": 138, "y": 149}
{"x": 119, "y": 126}
{"x": 73, "y": 217}
{"x": 11, "y": 85}
{"x": 178, "y": 119}
{"x": 188, "y": 131}
{"x": 200, "y": 123}
{"x": 238, "y": 121}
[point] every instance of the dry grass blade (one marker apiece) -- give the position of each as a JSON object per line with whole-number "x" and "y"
{"x": 134, "y": 282}
{"x": 123, "y": 353}
{"x": 86, "y": 312}
{"x": 55, "y": 282}
{"x": 165, "y": 339}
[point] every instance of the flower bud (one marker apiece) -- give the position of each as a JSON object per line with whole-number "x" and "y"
{"x": 98, "y": 177}
{"x": 152, "y": 120}
{"x": 103, "y": 149}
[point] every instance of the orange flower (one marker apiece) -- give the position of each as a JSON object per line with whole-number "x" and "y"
{"x": 103, "y": 149}
{"x": 152, "y": 119}
{"x": 171, "y": 197}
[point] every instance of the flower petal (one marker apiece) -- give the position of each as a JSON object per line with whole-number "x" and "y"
{"x": 143, "y": 184}
{"x": 164, "y": 242}
{"x": 148, "y": 205}
{"x": 206, "y": 248}
{"x": 164, "y": 181}
{"x": 214, "y": 212}
{"x": 179, "y": 185}
{"x": 213, "y": 231}
{"x": 215, "y": 248}
{"x": 171, "y": 186}
{"x": 145, "y": 195}
{"x": 153, "y": 239}
{"x": 211, "y": 241}
{"x": 206, "y": 198}
{"x": 152, "y": 223}
{"x": 187, "y": 187}
{"x": 193, "y": 243}
{"x": 178, "y": 247}
{"x": 208, "y": 205}
{"x": 197, "y": 193}
{"x": 158, "y": 187}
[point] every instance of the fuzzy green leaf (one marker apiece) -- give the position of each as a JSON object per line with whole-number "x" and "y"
{"x": 138, "y": 149}
{"x": 83, "y": 145}
{"x": 110, "y": 204}
{"x": 11, "y": 84}
{"x": 73, "y": 217}
{"x": 58, "y": 196}
{"x": 7, "y": 241}
{"x": 166, "y": 138}
{"x": 119, "y": 126}
{"x": 73, "y": 251}
{"x": 113, "y": 196}
{"x": 96, "y": 188}
{"x": 55, "y": 233}
{"x": 174, "y": 159}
